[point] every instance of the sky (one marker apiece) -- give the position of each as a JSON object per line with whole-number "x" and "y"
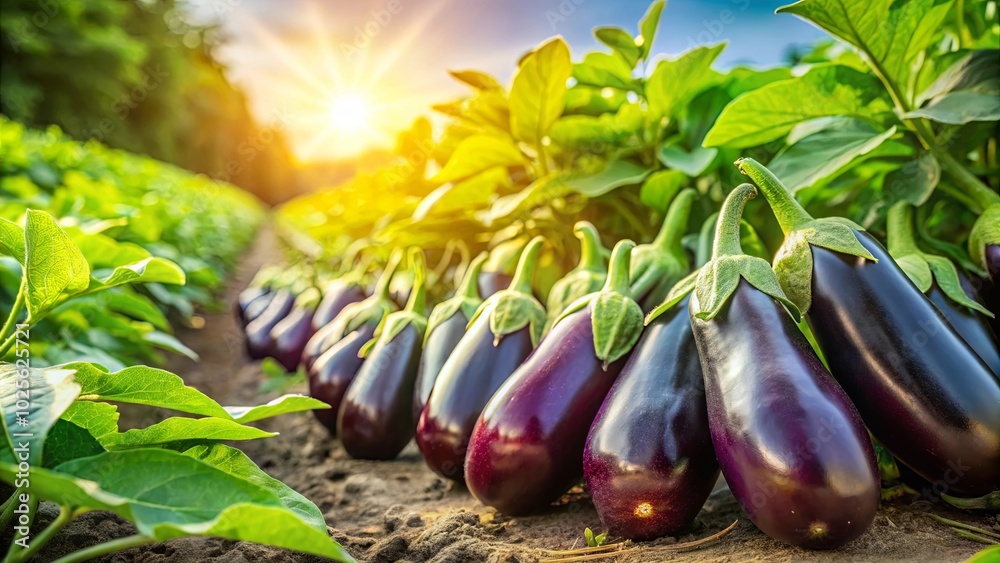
{"x": 344, "y": 76}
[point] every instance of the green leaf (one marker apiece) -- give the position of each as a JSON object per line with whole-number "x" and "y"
{"x": 12, "y": 240}
{"x": 914, "y": 181}
{"x": 44, "y": 394}
{"x": 143, "y": 385}
{"x": 958, "y": 108}
{"x": 827, "y": 152}
{"x": 675, "y": 82}
{"x": 585, "y": 132}
{"x": 619, "y": 40}
{"x": 647, "y": 27}
{"x": 479, "y": 153}
{"x": 890, "y": 33}
{"x": 660, "y": 188}
{"x": 975, "y": 72}
{"x": 180, "y": 429}
{"x": 54, "y": 265}
{"x": 147, "y": 270}
{"x": 692, "y": 163}
{"x": 67, "y": 441}
{"x": 478, "y": 80}
{"x": 282, "y": 405}
{"x": 134, "y": 305}
{"x": 237, "y": 464}
{"x": 916, "y": 268}
{"x": 472, "y": 193}
{"x": 770, "y": 112}
{"x": 946, "y": 276}
{"x": 587, "y": 100}
{"x": 169, "y": 342}
{"x": 602, "y": 70}
{"x": 617, "y": 173}
{"x": 100, "y": 420}
{"x": 538, "y": 93}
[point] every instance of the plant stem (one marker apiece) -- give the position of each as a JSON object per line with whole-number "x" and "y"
{"x": 8, "y": 508}
{"x": 105, "y": 548}
{"x": 591, "y": 257}
{"x": 978, "y": 191}
{"x": 675, "y": 224}
{"x": 899, "y": 227}
{"x": 15, "y": 311}
{"x": 789, "y": 212}
{"x": 382, "y": 286}
{"x": 66, "y": 514}
{"x": 469, "y": 286}
{"x": 618, "y": 272}
{"x": 417, "y": 300}
{"x": 526, "y": 267}
{"x": 727, "y": 228}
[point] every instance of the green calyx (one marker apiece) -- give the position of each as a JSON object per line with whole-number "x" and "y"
{"x": 657, "y": 265}
{"x": 514, "y": 308}
{"x": 466, "y": 299}
{"x": 793, "y": 262}
{"x": 719, "y": 278}
{"x": 587, "y": 277}
{"x": 985, "y": 231}
{"x": 309, "y": 298}
{"x": 374, "y": 308}
{"x": 412, "y": 315}
{"x": 616, "y": 319}
{"x": 923, "y": 268}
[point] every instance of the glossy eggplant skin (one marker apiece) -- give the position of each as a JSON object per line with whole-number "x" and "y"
{"x": 245, "y": 298}
{"x": 791, "y": 445}
{"x": 320, "y": 341}
{"x": 440, "y": 344}
{"x": 527, "y": 447}
{"x": 649, "y": 461}
{"x": 257, "y": 307}
{"x": 468, "y": 379}
{"x": 492, "y": 282}
{"x": 337, "y": 296}
{"x": 289, "y": 337}
{"x": 376, "y": 415}
{"x": 922, "y": 391}
{"x": 334, "y": 370}
{"x": 258, "y": 332}
{"x": 972, "y": 326}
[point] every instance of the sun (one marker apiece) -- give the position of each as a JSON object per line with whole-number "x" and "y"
{"x": 349, "y": 112}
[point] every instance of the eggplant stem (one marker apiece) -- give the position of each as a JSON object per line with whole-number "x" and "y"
{"x": 526, "y": 267}
{"x": 671, "y": 234}
{"x": 620, "y": 550}
{"x": 590, "y": 247}
{"x": 469, "y": 286}
{"x": 789, "y": 212}
{"x": 382, "y": 286}
{"x": 418, "y": 296}
{"x": 705, "y": 239}
{"x": 899, "y": 227}
{"x": 618, "y": 272}
{"x": 964, "y": 526}
{"x": 727, "y": 228}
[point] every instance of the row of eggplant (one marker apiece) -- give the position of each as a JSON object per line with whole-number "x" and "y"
{"x": 521, "y": 401}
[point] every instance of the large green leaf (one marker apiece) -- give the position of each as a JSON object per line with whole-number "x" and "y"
{"x": 540, "y": 191}
{"x": 146, "y": 270}
{"x": 30, "y": 406}
{"x": 100, "y": 420}
{"x": 55, "y": 267}
{"x": 12, "y": 240}
{"x": 620, "y": 41}
{"x": 976, "y": 72}
{"x": 180, "y": 429}
{"x": 616, "y": 174}
{"x": 692, "y": 163}
{"x": 957, "y": 108}
{"x": 914, "y": 181}
{"x": 143, "y": 386}
{"x": 602, "y": 70}
{"x": 891, "y": 33}
{"x": 826, "y": 152}
{"x": 770, "y": 112}
{"x": 676, "y": 81}
{"x": 477, "y": 154}
{"x": 282, "y": 405}
{"x": 538, "y": 93}
{"x": 478, "y": 80}
{"x": 660, "y": 188}
{"x": 66, "y": 441}
{"x": 169, "y": 342}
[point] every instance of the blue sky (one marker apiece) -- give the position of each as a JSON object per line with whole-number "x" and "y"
{"x": 293, "y": 55}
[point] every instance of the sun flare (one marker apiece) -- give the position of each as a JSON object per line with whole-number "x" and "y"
{"x": 349, "y": 112}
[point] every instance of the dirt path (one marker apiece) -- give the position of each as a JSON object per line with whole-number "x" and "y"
{"x": 401, "y": 511}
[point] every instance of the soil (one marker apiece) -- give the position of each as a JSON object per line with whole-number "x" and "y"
{"x": 400, "y": 511}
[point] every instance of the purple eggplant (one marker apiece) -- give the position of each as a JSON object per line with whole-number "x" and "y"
{"x": 258, "y": 332}
{"x": 257, "y": 307}
{"x": 923, "y": 392}
{"x": 335, "y": 369}
{"x": 949, "y": 290}
{"x": 375, "y": 420}
{"x": 289, "y": 336}
{"x": 657, "y": 266}
{"x": 498, "y": 271}
{"x": 445, "y": 328}
{"x": 493, "y": 282}
{"x": 244, "y": 300}
{"x": 586, "y": 278}
{"x": 649, "y": 461}
{"x": 526, "y": 449}
{"x": 791, "y": 445}
{"x": 501, "y": 334}
{"x": 338, "y": 294}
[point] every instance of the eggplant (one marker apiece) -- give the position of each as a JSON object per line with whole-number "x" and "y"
{"x": 319, "y": 342}
{"x": 375, "y": 419}
{"x": 498, "y": 271}
{"x": 493, "y": 282}
{"x": 922, "y": 391}
{"x": 947, "y": 288}
{"x": 657, "y": 266}
{"x": 526, "y": 449}
{"x": 334, "y": 370}
{"x": 587, "y": 277}
{"x": 257, "y": 307}
{"x": 339, "y": 294}
{"x": 501, "y": 334}
{"x": 245, "y": 298}
{"x": 258, "y": 332}
{"x": 649, "y": 461}
{"x": 289, "y": 336}
{"x": 792, "y": 447}
{"x": 445, "y": 328}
